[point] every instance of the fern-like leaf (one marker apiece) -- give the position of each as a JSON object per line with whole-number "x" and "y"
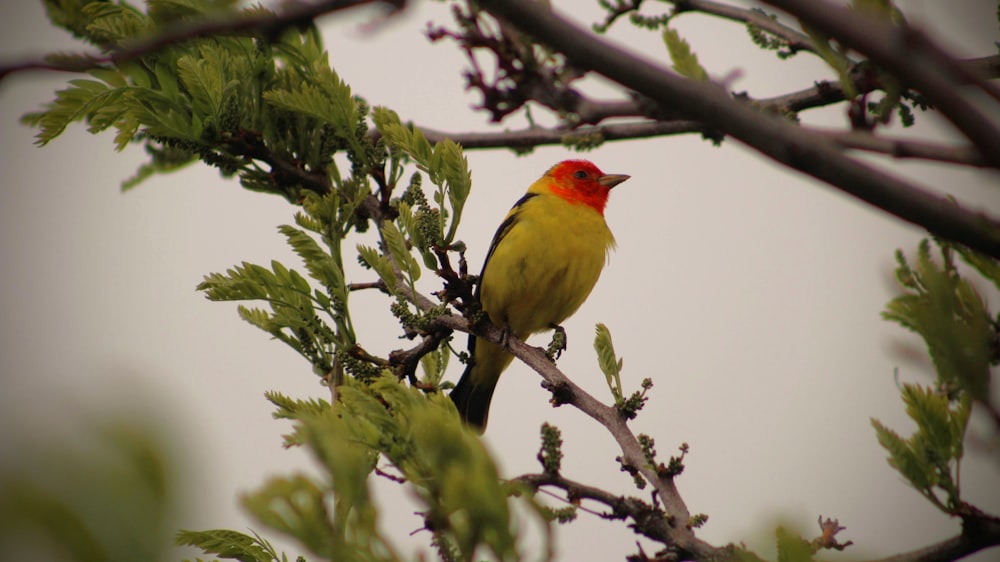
{"x": 683, "y": 58}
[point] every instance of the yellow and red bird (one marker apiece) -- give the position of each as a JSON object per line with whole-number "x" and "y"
{"x": 545, "y": 259}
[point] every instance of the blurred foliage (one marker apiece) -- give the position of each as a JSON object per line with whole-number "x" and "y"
{"x": 268, "y": 109}
{"x": 105, "y": 493}
{"x": 947, "y": 311}
{"x": 233, "y": 545}
{"x": 272, "y": 111}
{"x": 463, "y": 502}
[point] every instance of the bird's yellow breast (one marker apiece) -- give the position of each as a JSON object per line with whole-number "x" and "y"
{"x": 545, "y": 265}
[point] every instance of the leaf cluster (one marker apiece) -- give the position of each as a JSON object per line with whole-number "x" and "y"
{"x": 945, "y": 309}
{"x": 451, "y": 474}
{"x": 298, "y": 315}
{"x": 445, "y": 166}
{"x": 266, "y": 108}
{"x": 769, "y": 41}
{"x": 232, "y": 545}
{"x": 611, "y": 366}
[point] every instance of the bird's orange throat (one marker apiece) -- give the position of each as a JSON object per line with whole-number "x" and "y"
{"x": 595, "y": 198}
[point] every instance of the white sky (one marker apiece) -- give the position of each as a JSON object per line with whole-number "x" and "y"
{"x": 751, "y": 296}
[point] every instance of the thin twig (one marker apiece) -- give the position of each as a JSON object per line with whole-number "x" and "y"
{"x": 645, "y": 517}
{"x": 408, "y": 359}
{"x": 380, "y": 285}
{"x": 776, "y": 138}
{"x": 979, "y": 531}
{"x": 677, "y": 533}
{"x": 530, "y": 138}
{"x": 911, "y": 56}
{"x": 821, "y": 94}
{"x": 905, "y": 148}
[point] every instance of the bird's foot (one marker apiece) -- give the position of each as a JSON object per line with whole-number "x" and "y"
{"x": 505, "y": 335}
{"x": 558, "y": 343}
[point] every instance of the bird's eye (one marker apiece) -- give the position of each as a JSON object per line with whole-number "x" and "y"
{"x": 580, "y": 174}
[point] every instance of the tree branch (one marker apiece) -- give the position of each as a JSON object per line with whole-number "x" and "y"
{"x": 796, "y": 40}
{"x": 537, "y": 136}
{"x": 977, "y": 533}
{"x": 905, "y": 148}
{"x": 266, "y": 23}
{"x": 911, "y": 56}
{"x": 678, "y": 534}
{"x": 671, "y": 527}
{"x": 784, "y": 142}
{"x": 646, "y": 520}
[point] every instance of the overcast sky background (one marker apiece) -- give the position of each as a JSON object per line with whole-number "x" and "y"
{"x": 749, "y": 294}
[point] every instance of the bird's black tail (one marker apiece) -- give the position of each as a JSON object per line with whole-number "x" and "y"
{"x": 473, "y": 398}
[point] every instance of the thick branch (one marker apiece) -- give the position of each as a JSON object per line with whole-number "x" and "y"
{"x": 820, "y": 95}
{"x": 977, "y": 534}
{"x": 530, "y": 138}
{"x": 912, "y": 57}
{"x": 796, "y": 41}
{"x": 773, "y": 137}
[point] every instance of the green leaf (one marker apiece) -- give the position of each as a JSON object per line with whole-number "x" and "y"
{"x": 397, "y": 246}
{"x": 930, "y": 458}
{"x": 324, "y": 97}
{"x": 115, "y": 23}
{"x": 951, "y": 317}
{"x": 202, "y": 77}
{"x": 444, "y": 163}
{"x": 434, "y": 365}
{"x": 792, "y": 547}
{"x": 320, "y": 263}
{"x": 985, "y": 265}
{"x": 81, "y": 101}
{"x": 903, "y": 458}
{"x": 381, "y": 265}
{"x": 226, "y": 544}
{"x": 835, "y": 58}
{"x": 290, "y": 409}
{"x": 610, "y": 365}
{"x": 684, "y": 60}
{"x": 931, "y": 412}
{"x": 259, "y": 318}
{"x": 295, "y": 506}
{"x": 163, "y": 160}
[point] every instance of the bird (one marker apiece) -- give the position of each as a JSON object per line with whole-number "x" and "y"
{"x": 544, "y": 261}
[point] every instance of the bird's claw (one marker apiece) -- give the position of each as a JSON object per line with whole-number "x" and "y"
{"x": 505, "y": 335}
{"x": 558, "y": 343}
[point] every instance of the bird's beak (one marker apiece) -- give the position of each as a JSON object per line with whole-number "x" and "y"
{"x": 611, "y": 180}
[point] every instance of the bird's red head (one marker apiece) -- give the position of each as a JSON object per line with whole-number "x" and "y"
{"x": 580, "y": 181}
